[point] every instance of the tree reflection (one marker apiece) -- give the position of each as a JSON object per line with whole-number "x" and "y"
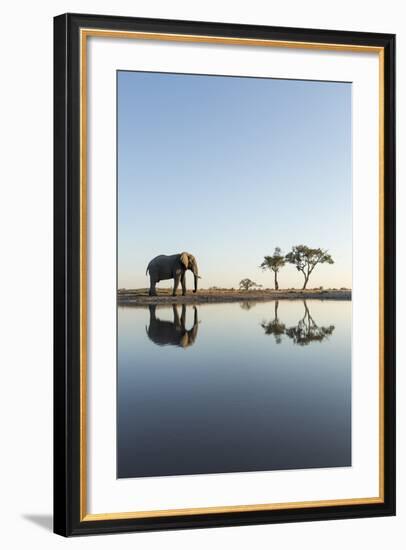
{"x": 275, "y": 327}
{"x": 305, "y": 332}
{"x": 247, "y": 304}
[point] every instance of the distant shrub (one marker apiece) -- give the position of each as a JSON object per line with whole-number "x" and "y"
{"x": 247, "y": 284}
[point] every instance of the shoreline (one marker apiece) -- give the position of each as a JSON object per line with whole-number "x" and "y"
{"x": 127, "y": 297}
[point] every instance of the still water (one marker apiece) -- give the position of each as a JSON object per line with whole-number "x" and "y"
{"x": 233, "y": 387}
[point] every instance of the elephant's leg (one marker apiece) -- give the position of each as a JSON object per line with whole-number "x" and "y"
{"x": 152, "y": 289}
{"x": 175, "y": 284}
{"x": 183, "y": 283}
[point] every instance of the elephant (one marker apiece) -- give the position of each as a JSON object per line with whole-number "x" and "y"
{"x": 172, "y": 333}
{"x": 172, "y": 267}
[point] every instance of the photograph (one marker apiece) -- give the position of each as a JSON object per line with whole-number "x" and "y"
{"x": 234, "y": 274}
{"x": 224, "y": 274}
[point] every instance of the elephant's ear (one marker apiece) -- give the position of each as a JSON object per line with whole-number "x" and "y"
{"x": 184, "y": 258}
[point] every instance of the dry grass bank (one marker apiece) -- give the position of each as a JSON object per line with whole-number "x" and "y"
{"x": 140, "y": 296}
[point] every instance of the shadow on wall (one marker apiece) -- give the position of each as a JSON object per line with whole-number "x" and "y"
{"x": 45, "y": 521}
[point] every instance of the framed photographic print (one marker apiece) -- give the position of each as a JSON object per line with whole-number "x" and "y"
{"x": 224, "y": 274}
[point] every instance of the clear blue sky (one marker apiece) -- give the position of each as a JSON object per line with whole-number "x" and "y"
{"x": 227, "y": 168}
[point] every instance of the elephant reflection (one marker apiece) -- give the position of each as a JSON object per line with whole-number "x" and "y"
{"x": 172, "y": 333}
{"x": 305, "y": 332}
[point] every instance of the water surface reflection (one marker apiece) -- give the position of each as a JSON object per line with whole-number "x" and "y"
{"x": 203, "y": 389}
{"x": 303, "y": 333}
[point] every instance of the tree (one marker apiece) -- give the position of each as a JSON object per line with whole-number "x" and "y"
{"x": 274, "y": 263}
{"x": 305, "y": 259}
{"x": 247, "y": 284}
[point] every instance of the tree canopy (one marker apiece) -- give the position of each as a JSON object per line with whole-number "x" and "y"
{"x": 274, "y": 263}
{"x": 305, "y": 259}
{"x": 247, "y": 284}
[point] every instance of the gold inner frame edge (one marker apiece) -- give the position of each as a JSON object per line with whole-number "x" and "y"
{"x": 84, "y": 34}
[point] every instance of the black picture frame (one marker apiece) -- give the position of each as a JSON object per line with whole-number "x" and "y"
{"x": 67, "y": 352}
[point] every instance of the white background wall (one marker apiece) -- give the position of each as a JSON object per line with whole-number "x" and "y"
{"x": 26, "y": 270}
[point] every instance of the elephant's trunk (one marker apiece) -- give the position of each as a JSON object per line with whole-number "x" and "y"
{"x": 195, "y": 273}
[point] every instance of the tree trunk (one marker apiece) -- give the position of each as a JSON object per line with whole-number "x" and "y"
{"x": 276, "y": 281}
{"x": 305, "y": 282}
